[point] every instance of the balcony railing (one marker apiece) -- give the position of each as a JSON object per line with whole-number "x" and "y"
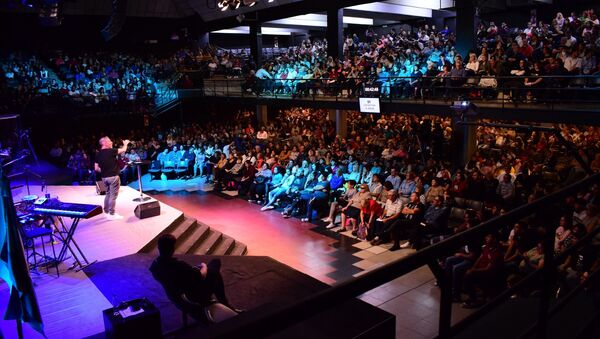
{"x": 577, "y": 91}
{"x": 537, "y": 322}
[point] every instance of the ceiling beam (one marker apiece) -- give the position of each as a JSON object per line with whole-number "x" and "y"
{"x": 285, "y": 11}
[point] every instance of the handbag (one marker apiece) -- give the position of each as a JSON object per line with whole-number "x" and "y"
{"x": 363, "y": 232}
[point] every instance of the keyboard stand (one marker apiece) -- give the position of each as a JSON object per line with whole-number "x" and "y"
{"x": 65, "y": 234}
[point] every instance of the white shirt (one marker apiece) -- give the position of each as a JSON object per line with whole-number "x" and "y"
{"x": 572, "y": 63}
{"x": 262, "y": 135}
{"x": 392, "y": 207}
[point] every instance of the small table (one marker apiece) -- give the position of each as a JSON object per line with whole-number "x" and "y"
{"x": 139, "y": 165}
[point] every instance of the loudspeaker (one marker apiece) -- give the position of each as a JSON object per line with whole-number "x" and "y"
{"x": 147, "y": 209}
{"x": 100, "y": 187}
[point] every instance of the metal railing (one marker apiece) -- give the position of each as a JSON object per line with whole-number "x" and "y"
{"x": 268, "y": 321}
{"x": 507, "y": 91}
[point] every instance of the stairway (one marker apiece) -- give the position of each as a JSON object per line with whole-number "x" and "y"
{"x": 197, "y": 238}
{"x": 166, "y": 99}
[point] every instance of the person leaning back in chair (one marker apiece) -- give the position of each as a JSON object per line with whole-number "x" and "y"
{"x": 108, "y": 166}
{"x": 196, "y": 290}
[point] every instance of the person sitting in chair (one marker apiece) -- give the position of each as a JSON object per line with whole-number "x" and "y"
{"x": 192, "y": 289}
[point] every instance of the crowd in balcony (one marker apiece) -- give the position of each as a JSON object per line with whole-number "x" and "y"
{"x": 113, "y": 80}
{"x": 511, "y": 58}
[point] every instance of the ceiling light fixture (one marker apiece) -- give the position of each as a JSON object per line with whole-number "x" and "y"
{"x": 224, "y": 5}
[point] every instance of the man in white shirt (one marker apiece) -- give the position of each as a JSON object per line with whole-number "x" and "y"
{"x": 262, "y": 135}
{"x": 572, "y": 63}
{"x": 392, "y": 210}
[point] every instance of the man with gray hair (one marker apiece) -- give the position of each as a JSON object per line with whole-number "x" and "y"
{"x": 106, "y": 163}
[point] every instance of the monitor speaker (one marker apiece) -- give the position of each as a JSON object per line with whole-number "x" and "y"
{"x": 147, "y": 209}
{"x": 100, "y": 187}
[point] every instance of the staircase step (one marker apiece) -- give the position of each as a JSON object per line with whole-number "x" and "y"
{"x": 224, "y": 247}
{"x": 208, "y": 244}
{"x": 181, "y": 233}
{"x": 184, "y": 229}
{"x": 200, "y": 233}
{"x": 239, "y": 249}
{"x": 152, "y": 246}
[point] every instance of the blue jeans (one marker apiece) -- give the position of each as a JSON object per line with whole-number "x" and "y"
{"x": 456, "y": 268}
{"x": 112, "y": 191}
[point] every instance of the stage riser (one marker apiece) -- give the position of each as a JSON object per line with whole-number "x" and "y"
{"x": 196, "y": 238}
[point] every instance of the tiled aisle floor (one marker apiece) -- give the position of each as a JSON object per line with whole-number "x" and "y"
{"x": 413, "y": 298}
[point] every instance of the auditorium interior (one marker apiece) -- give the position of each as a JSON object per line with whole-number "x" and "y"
{"x": 278, "y": 168}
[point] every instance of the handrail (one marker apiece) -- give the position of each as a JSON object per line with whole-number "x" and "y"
{"x": 508, "y": 91}
{"x": 270, "y": 321}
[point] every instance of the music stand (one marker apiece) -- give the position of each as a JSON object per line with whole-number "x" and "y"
{"x": 139, "y": 164}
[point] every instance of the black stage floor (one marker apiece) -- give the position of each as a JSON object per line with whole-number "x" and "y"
{"x": 250, "y": 281}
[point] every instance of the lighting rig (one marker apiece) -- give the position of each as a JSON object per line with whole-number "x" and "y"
{"x": 224, "y": 5}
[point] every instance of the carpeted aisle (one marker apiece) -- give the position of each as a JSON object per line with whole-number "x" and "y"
{"x": 250, "y": 282}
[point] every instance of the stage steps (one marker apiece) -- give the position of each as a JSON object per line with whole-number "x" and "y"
{"x": 197, "y": 238}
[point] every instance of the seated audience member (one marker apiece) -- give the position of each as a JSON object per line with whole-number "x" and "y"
{"x": 375, "y": 187}
{"x": 486, "y": 272}
{"x": 352, "y": 209}
{"x": 281, "y": 189}
{"x": 258, "y": 187}
{"x": 456, "y": 266}
{"x": 392, "y": 211}
{"x": 202, "y": 284}
{"x": 275, "y": 180}
{"x": 337, "y": 181}
{"x": 435, "y": 221}
{"x": 576, "y": 269}
{"x": 506, "y": 190}
{"x": 394, "y": 178}
{"x": 341, "y": 202}
{"x": 369, "y": 212}
{"x": 318, "y": 197}
{"x": 248, "y": 173}
{"x": 408, "y": 185}
{"x": 411, "y": 217}
{"x": 434, "y": 191}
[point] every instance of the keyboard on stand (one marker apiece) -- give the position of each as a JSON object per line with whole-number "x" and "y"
{"x": 64, "y": 232}
{"x": 67, "y": 209}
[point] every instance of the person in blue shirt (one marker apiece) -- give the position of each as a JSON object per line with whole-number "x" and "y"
{"x": 408, "y": 185}
{"x": 394, "y": 179}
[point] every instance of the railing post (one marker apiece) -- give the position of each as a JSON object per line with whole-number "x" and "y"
{"x": 545, "y": 295}
{"x": 445, "y": 321}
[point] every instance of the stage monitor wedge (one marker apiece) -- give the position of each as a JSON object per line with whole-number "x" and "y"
{"x": 147, "y": 210}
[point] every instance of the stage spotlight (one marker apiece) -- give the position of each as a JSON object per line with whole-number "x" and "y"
{"x": 238, "y": 3}
{"x": 249, "y": 3}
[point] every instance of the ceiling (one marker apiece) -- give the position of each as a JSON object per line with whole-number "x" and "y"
{"x": 282, "y": 14}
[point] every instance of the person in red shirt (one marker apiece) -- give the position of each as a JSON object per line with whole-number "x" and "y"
{"x": 526, "y": 49}
{"x": 369, "y": 212}
{"x": 486, "y": 271}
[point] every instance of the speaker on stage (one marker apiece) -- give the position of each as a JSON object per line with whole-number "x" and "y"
{"x": 100, "y": 187}
{"x": 147, "y": 209}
